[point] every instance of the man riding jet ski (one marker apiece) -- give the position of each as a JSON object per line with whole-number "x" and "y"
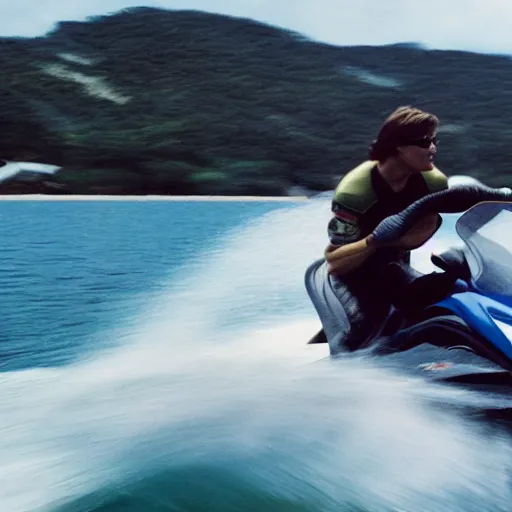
{"x": 360, "y": 268}
{"x": 364, "y": 290}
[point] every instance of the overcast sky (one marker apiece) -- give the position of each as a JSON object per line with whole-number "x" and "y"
{"x": 476, "y": 25}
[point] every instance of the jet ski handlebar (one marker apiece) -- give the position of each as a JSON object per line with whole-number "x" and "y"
{"x": 453, "y": 200}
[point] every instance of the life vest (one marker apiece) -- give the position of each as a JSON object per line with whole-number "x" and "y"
{"x": 355, "y": 191}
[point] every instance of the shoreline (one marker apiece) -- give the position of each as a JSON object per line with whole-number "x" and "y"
{"x": 61, "y": 197}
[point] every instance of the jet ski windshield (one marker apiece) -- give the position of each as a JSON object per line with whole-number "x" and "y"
{"x": 485, "y": 229}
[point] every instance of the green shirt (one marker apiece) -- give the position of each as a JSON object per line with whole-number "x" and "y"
{"x": 363, "y": 199}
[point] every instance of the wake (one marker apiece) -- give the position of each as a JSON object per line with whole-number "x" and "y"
{"x": 214, "y": 395}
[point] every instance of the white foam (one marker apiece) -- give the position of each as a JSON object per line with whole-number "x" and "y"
{"x": 183, "y": 390}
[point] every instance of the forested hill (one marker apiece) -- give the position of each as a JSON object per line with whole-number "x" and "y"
{"x": 183, "y": 102}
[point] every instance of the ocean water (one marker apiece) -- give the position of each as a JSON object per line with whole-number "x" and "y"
{"x": 154, "y": 358}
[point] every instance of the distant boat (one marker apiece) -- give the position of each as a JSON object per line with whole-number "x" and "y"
{"x": 10, "y": 169}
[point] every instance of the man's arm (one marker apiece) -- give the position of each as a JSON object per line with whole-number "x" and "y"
{"x": 419, "y": 234}
{"x": 344, "y": 258}
{"x": 346, "y": 251}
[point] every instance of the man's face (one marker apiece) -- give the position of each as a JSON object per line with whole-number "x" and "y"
{"x": 419, "y": 154}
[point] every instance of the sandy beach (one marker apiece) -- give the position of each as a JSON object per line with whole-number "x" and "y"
{"x": 48, "y": 197}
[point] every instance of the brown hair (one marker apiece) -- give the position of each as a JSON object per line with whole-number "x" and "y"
{"x": 404, "y": 124}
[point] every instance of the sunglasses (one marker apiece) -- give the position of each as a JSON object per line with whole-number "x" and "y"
{"x": 424, "y": 142}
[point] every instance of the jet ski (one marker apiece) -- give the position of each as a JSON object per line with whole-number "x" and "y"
{"x": 465, "y": 339}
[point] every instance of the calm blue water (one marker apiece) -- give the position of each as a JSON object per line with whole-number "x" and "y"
{"x": 153, "y": 359}
{"x": 70, "y": 270}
